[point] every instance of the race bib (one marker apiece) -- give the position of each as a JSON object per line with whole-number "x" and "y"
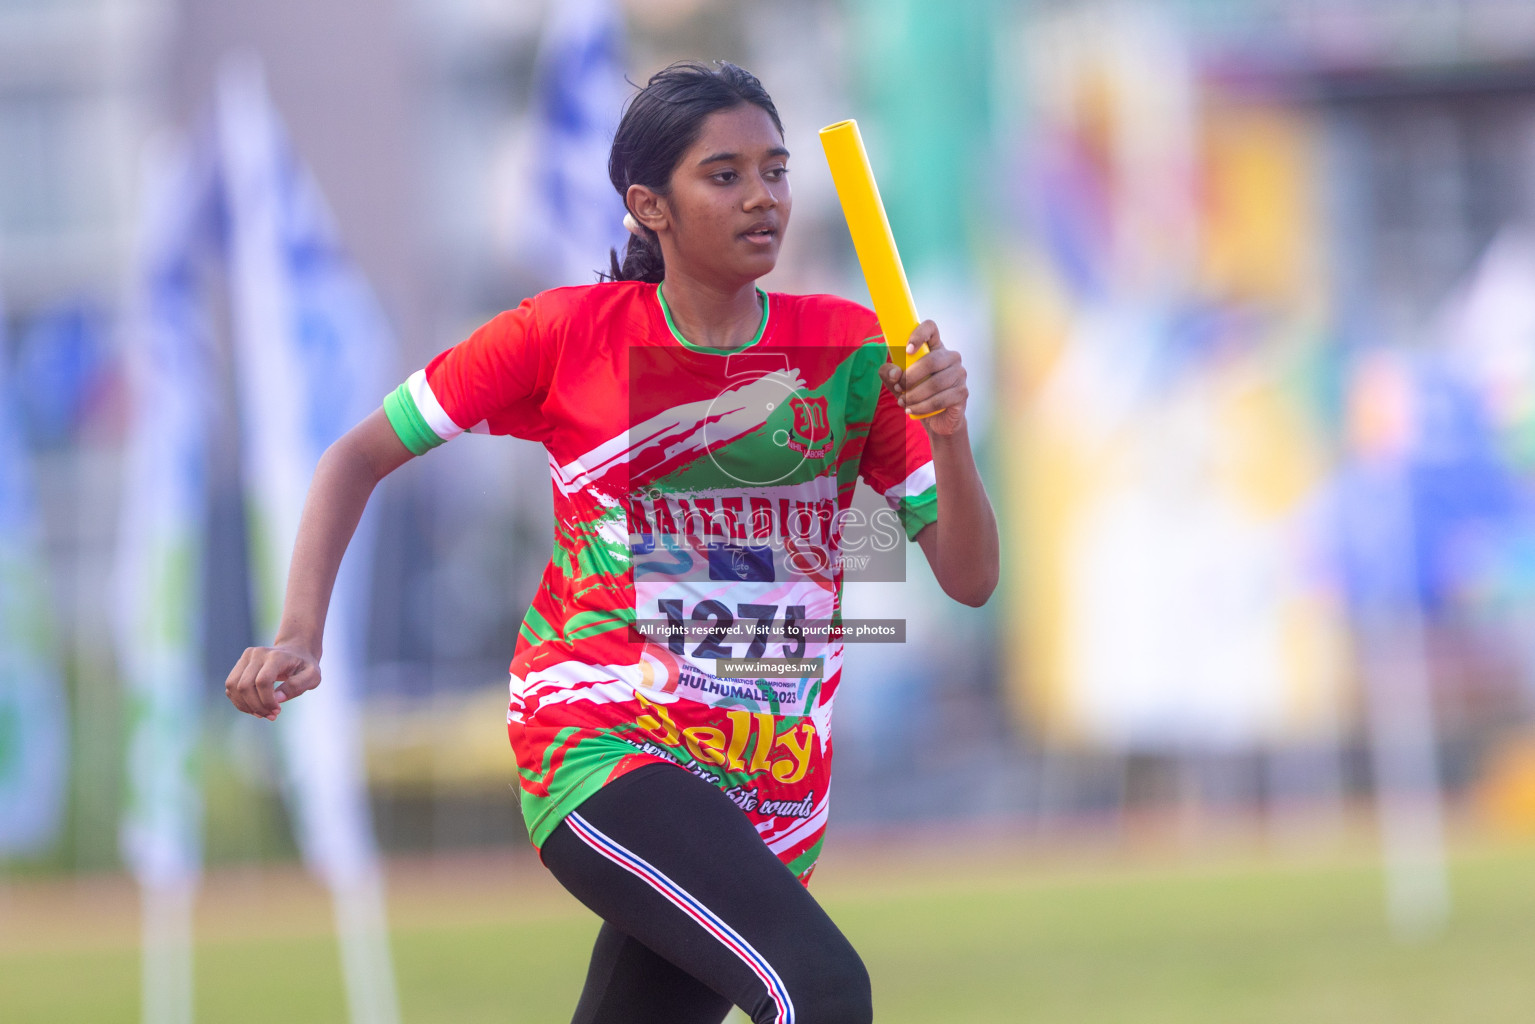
{"x": 744, "y": 624}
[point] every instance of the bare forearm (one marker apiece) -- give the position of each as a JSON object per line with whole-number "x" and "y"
{"x": 965, "y": 551}
{"x": 342, "y": 484}
{"x": 343, "y": 481}
{"x": 337, "y": 496}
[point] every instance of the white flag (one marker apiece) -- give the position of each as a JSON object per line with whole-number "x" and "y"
{"x": 164, "y": 519}
{"x": 158, "y": 606}
{"x": 312, "y": 352}
{"x": 579, "y": 96}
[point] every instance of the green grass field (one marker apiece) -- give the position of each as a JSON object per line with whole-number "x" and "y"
{"x": 992, "y": 937}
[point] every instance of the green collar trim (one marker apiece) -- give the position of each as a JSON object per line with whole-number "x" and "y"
{"x": 666, "y": 311}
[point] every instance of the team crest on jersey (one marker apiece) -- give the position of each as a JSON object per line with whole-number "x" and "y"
{"x": 811, "y": 435}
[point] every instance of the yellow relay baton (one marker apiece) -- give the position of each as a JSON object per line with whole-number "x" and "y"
{"x": 872, "y": 240}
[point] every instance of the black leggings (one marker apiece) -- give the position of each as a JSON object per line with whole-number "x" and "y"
{"x": 698, "y": 913}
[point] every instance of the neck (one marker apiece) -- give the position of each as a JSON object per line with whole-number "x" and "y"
{"x": 711, "y": 315}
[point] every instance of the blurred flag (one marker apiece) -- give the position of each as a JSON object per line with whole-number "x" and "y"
{"x": 159, "y": 563}
{"x": 312, "y": 352}
{"x": 34, "y": 732}
{"x": 1392, "y": 423}
{"x": 1488, "y": 327}
{"x": 62, "y": 371}
{"x": 311, "y": 348}
{"x": 578, "y": 215}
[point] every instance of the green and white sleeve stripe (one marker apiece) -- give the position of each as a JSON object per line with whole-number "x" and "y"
{"x": 417, "y": 417}
{"x": 915, "y": 499}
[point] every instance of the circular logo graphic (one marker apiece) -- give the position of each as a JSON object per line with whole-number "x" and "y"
{"x": 742, "y": 408}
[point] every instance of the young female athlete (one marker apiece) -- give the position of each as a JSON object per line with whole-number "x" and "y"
{"x": 704, "y": 441}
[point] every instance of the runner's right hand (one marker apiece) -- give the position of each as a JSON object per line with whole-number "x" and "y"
{"x": 252, "y": 683}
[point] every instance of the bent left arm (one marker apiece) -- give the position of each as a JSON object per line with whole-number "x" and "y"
{"x": 962, "y": 546}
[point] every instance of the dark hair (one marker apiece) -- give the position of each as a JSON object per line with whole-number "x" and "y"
{"x": 659, "y": 125}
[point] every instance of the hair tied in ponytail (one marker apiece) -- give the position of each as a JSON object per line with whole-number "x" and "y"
{"x": 658, "y": 126}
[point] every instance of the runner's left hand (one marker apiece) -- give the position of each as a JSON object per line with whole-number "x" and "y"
{"x": 934, "y": 382}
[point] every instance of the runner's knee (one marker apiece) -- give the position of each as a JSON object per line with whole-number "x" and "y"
{"x": 836, "y": 992}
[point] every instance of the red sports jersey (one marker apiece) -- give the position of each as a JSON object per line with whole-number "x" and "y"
{"x": 701, "y": 503}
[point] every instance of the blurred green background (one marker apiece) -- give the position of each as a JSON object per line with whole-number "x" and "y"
{"x": 984, "y": 936}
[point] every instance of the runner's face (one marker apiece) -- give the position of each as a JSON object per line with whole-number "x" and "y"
{"x": 729, "y": 201}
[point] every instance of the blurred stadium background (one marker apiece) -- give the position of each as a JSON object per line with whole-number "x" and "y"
{"x": 1246, "y": 289}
